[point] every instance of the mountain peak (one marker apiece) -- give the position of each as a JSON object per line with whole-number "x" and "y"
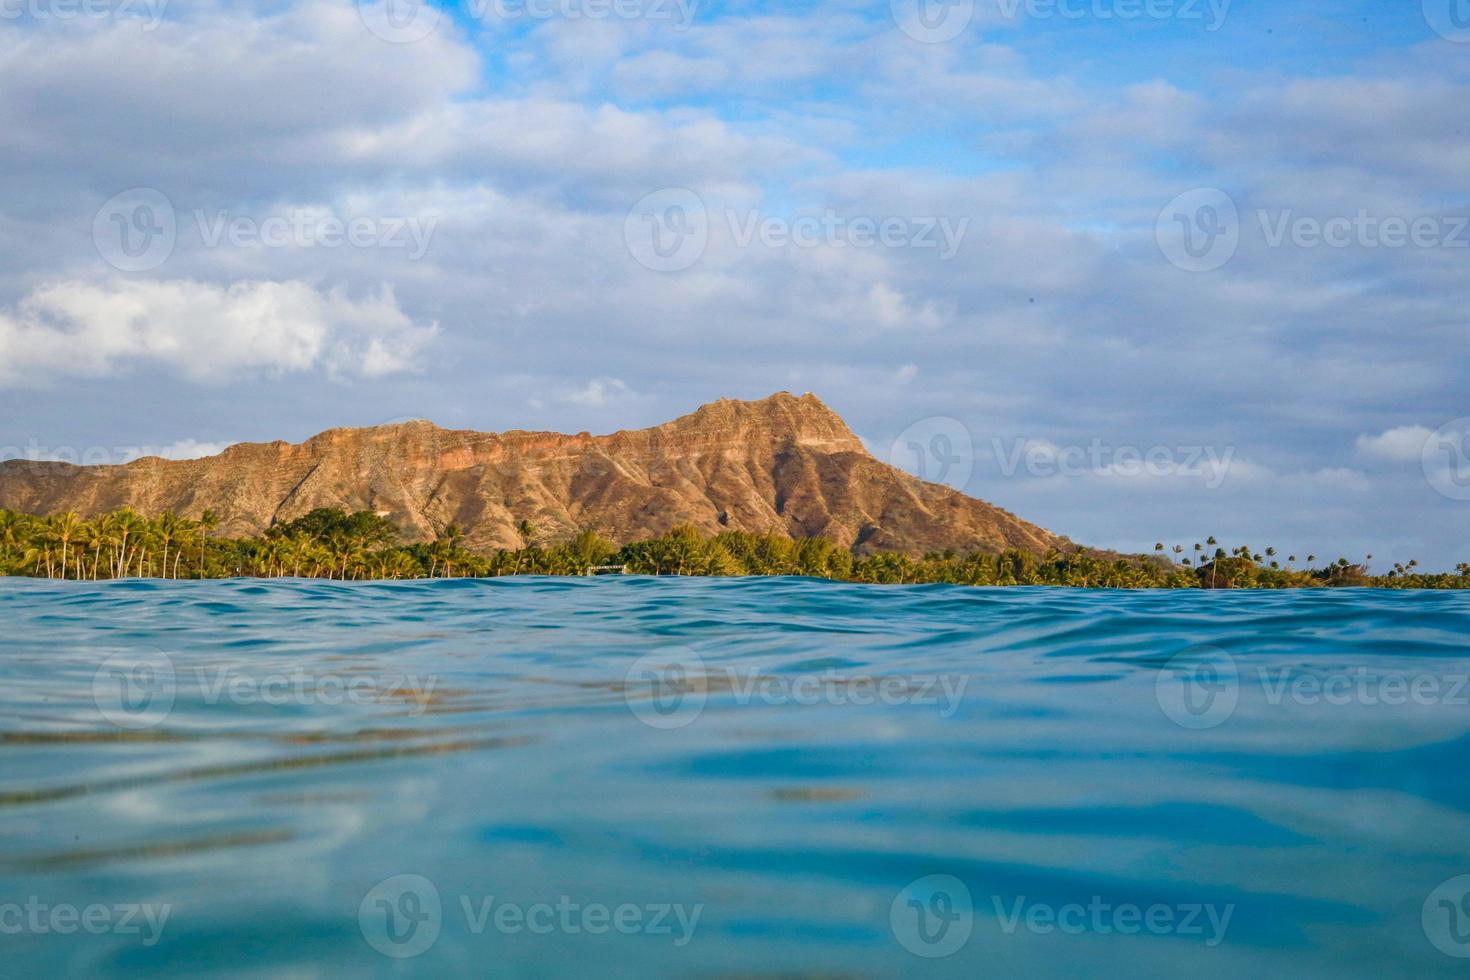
{"x": 805, "y": 420}
{"x": 783, "y": 463}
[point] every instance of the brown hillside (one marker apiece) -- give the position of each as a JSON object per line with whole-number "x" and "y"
{"x": 782, "y": 463}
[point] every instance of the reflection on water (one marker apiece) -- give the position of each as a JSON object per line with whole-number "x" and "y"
{"x": 657, "y": 777}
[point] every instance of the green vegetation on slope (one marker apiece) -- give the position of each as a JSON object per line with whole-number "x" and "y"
{"x": 337, "y": 545}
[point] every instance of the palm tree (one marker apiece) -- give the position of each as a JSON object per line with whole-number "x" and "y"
{"x": 208, "y": 521}
{"x": 66, "y": 527}
{"x": 13, "y": 528}
{"x": 169, "y": 528}
{"x": 129, "y": 525}
{"x": 106, "y": 536}
{"x": 89, "y": 538}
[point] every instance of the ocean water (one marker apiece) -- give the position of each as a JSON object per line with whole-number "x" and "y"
{"x": 722, "y": 777}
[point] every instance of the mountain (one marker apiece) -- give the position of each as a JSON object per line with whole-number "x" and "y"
{"x": 781, "y": 463}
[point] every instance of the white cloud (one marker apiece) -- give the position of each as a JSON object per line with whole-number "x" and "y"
{"x": 1401, "y": 445}
{"x": 179, "y": 449}
{"x": 206, "y": 333}
{"x": 599, "y": 393}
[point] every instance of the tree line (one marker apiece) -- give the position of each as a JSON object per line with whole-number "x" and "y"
{"x": 334, "y": 544}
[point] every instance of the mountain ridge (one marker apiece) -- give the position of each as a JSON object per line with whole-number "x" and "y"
{"x": 786, "y": 463}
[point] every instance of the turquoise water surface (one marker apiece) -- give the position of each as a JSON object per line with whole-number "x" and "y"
{"x": 730, "y": 777}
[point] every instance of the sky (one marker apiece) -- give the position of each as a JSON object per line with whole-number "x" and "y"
{"x": 1135, "y": 270}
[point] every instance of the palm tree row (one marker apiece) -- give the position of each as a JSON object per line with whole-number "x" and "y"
{"x": 334, "y": 544}
{"x": 116, "y": 545}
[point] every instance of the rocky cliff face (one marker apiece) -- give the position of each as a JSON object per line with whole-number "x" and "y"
{"x": 782, "y": 463}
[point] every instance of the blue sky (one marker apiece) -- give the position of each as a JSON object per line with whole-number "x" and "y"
{"x": 1105, "y": 239}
